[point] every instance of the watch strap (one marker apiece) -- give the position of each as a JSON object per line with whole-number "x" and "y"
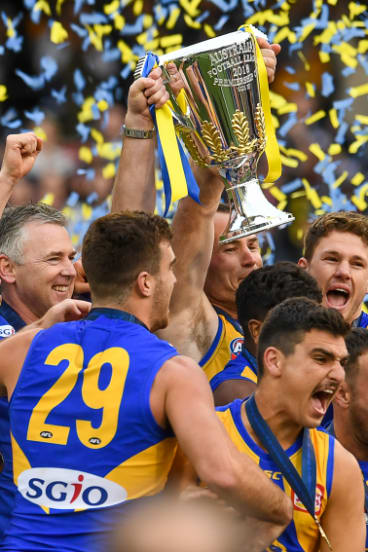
{"x": 137, "y": 133}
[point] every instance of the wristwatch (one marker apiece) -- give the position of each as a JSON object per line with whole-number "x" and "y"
{"x": 137, "y": 133}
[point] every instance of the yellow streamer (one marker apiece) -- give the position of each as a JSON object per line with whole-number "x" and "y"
{"x": 317, "y": 151}
{"x": 310, "y": 89}
{"x": 172, "y": 155}
{"x": 357, "y": 179}
{"x": 334, "y": 149}
{"x": 272, "y": 151}
{"x": 340, "y": 180}
{"x": 356, "y": 91}
{"x": 108, "y": 171}
{"x": 3, "y": 93}
{"x": 85, "y": 154}
{"x": 315, "y": 117}
{"x": 58, "y": 34}
{"x": 333, "y": 118}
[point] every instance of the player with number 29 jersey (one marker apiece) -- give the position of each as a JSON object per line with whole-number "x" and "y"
{"x": 88, "y": 443}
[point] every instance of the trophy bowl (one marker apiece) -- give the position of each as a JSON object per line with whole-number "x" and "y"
{"x": 217, "y": 110}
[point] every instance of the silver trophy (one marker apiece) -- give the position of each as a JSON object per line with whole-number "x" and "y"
{"x": 217, "y": 109}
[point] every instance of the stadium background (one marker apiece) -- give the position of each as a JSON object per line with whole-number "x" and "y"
{"x": 66, "y": 67}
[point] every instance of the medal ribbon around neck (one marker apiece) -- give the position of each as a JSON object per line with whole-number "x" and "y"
{"x": 305, "y": 486}
{"x": 177, "y": 174}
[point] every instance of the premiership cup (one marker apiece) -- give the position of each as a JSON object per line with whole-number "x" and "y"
{"x": 217, "y": 110}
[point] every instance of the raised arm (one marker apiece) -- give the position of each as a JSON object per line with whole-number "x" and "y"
{"x": 182, "y": 396}
{"x": 21, "y": 151}
{"x": 344, "y": 519}
{"x": 134, "y": 186}
{"x": 193, "y": 320}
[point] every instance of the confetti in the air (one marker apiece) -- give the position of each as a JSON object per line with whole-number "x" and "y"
{"x": 319, "y": 98}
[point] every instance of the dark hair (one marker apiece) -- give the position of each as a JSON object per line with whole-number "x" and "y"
{"x": 287, "y": 323}
{"x": 223, "y": 208}
{"x": 357, "y": 344}
{"x": 117, "y": 247}
{"x": 268, "y": 286}
{"x": 342, "y": 221}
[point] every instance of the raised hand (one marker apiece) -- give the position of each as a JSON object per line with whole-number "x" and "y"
{"x": 21, "y": 151}
{"x": 269, "y": 53}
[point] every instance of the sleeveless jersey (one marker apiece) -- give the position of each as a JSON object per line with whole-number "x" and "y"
{"x": 83, "y": 435}
{"x": 363, "y": 320}
{"x": 364, "y": 468}
{"x": 10, "y": 322}
{"x": 226, "y": 345}
{"x": 302, "y": 534}
{"x": 243, "y": 367}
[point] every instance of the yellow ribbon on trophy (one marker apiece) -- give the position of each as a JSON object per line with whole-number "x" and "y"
{"x": 177, "y": 175}
{"x": 272, "y": 151}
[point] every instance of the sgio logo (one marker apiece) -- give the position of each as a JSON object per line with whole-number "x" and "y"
{"x": 69, "y": 489}
{"x": 6, "y": 330}
{"x": 236, "y": 346}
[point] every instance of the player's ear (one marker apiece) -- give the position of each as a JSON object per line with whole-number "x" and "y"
{"x": 7, "y": 269}
{"x": 342, "y": 397}
{"x": 145, "y": 284}
{"x": 303, "y": 263}
{"x": 254, "y": 327}
{"x": 272, "y": 361}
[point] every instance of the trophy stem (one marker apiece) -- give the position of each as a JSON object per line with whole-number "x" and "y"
{"x": 246, "y": 202}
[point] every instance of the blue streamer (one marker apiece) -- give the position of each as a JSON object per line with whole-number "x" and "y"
{"x": 192, "y": 186}
{"x": 327, "y": 84}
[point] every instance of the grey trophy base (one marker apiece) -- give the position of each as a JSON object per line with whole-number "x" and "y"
{"x": 245, "y": 220}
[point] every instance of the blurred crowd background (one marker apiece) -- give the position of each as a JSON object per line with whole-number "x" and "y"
{"x": 66, "y": 66}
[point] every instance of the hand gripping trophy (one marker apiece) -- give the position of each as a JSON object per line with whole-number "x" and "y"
{"x": 216, "y": 104}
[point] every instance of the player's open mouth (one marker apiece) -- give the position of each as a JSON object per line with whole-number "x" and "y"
{"x": 321, "y": 399}
{"x": 337, "y": 297}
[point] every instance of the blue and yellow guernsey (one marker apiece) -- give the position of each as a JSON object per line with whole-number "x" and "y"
{"x": 83, "y": 435}
{"x": 364, "y": 468}
{"x": 10, "y": 322}
{"x": 362, "y": 321}
{"x": 243, "y": 367}
{"x": 226, "y": 345}
{"x": 302, "y": 534}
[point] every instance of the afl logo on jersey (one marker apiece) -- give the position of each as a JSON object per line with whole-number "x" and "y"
{"x": 69, "y": 489}
{"x": 6, "y": 330}
{"x": 236, "y": 346}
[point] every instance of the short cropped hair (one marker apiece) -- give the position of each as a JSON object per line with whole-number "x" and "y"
{"x": 342, "y": 221}
{"x": 268, "y": 286}
{"x": 12, "y": 225}
{"x": 118, "y": 246}
{"x": 357, "y": 344}
{"x": 223, "y": 208}
{"x": 287, "y": 323}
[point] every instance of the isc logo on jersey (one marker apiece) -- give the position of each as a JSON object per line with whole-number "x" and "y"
{"x": 298, "y": 504}
{"x": 69, "y": 489}
{"x": 6, "y": 330}
{"x": 236, "y": 346}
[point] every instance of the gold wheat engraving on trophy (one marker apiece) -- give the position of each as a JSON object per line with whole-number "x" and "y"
{"x": 212, "y": 139}
{"x": 261, "y": 128}
{"x": 193, "y": 149}
{"x": 240, "y": 127}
